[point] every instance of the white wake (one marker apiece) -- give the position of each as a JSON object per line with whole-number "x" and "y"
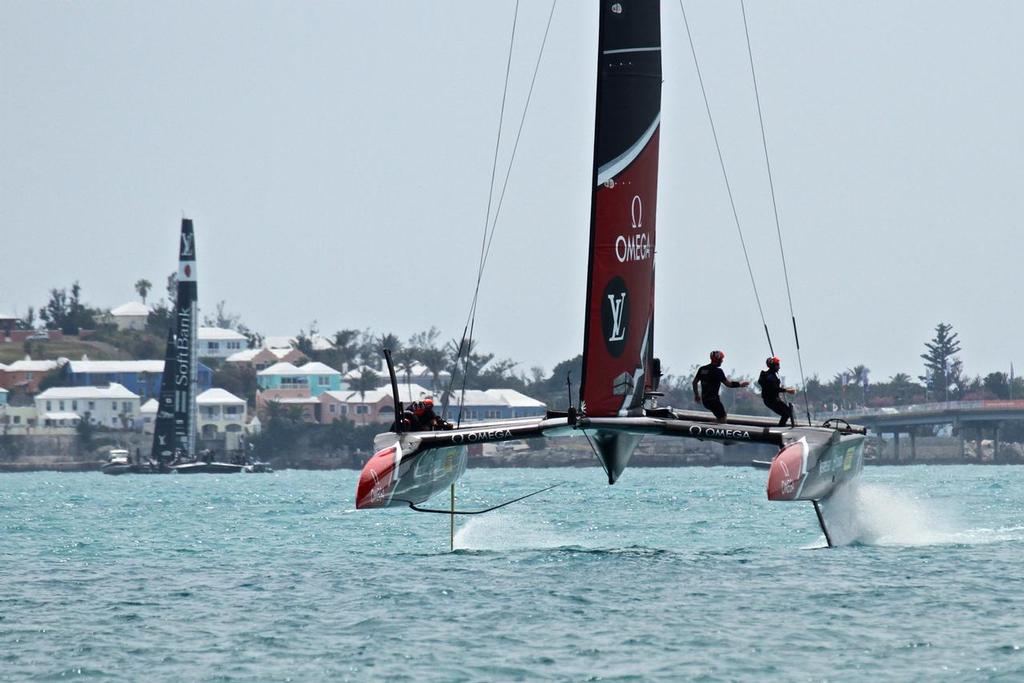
{"x": 503, "y": 532}
{"x": 874, "y": 514}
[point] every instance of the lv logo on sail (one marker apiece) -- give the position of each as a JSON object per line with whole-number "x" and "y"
{"x": 618, "y": 329}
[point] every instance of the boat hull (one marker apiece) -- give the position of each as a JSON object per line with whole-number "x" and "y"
{"x": 803, "y": 471}
{"x": 207, "y": 468}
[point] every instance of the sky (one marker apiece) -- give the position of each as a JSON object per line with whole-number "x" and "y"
{"x": 336, "y": 159}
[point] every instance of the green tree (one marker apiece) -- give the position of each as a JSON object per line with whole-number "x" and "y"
{"x": 223, "y": 319}
{"x": 346, "y": 348}
{"x": 66, "y": 312}
{"x": 366, "y": 380}
{"x": 142, "y": 287}
{"x": 940, "y": 361}
{"x": 405, "y": 359}
{"x": 172, "y": 289}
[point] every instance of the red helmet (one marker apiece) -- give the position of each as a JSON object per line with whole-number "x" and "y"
{"x": 773, "y": 362}
{"x": 717, "y": 356}
{"x": 428, "y": 402}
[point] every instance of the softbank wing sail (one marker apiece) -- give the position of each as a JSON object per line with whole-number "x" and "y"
{"x": 175, "y": 426}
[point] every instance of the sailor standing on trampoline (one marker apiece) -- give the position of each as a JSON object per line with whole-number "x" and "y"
{"x": 711, "y": 377}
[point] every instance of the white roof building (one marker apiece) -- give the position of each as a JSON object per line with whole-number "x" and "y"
{"x": 29, "y": 365}
{"x": 111, "y": 406}
{"x": 416, "y": 391}
{"x": 375, "y": 405}
{"x": 132, "y": 308}
{"x": 113, "y": 391}
{"x": 218, "y": 397}
{"x": 130, "y": 316}
{"x": 113, "y": 366}
{"x": 221, "y": 413}
{"x": 217, "y": 342}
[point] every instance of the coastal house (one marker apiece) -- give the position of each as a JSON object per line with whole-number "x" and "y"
{"x": 112, "y": 406}
{"x": 261, "y": 359}
{"x": 142, "y": 377}
{"x": 130, "y": 316}
{"x": 312, "y": 378}
{"x": 18, "y": 420}
{"x": 147, "y": 415}
{"x": 221, "y": 415}
{"x": 371, "y": 407}
{"x": 8, "y": 323}
{"x": 26, "y": 374}
{"x": 308, "y": 407}
{"x": 217, "y": 342}
{"x": 493, "y": 404}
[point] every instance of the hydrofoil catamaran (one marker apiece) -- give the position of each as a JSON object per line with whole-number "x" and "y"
{"x": 619, "y": 386}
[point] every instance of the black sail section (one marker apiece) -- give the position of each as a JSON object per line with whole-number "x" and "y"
{"x": 164, "y": 441}
{"x": 177, "y": 410}
{"x": 619, "y": 328}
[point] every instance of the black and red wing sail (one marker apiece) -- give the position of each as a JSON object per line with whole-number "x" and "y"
{"x": 619, "y": 327}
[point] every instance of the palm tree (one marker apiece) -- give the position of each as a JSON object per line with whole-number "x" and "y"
{"x": 859, "y": 375}
{"x": 366, "y": 380}
{"x": 142, "y": 287}
{"x": 435, "y": 360}
{"x": 405, "y": 359}
{"x": 346, "y": 347}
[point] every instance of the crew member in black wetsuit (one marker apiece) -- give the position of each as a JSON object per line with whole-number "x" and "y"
{"x": 771, "y": 388}
{"x": 711, "y": 377}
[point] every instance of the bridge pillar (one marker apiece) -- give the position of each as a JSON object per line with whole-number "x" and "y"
{"x": 896, "y": 445}
{"x": 913, "y": 446}
{"x": 995, "y": 442}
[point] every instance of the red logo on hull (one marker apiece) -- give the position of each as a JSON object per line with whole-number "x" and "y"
{"x": 786, "y": 473}
{"x": 377, "y": 480}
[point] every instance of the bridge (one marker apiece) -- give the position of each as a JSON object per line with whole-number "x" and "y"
{"x": 983, "y": 419}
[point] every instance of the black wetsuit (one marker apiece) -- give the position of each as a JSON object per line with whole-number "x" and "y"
{"x": 771, "y": 389}
{"x": 711, "y": 378}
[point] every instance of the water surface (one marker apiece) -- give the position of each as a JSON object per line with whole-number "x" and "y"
{"x": 670, "y": 574}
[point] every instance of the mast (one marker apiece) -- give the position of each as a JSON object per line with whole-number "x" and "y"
{"x": 619, "y": 329}
{"x": 185, "y": 380}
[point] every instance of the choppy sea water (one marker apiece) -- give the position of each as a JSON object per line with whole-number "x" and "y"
{"x": 671, "y": 574}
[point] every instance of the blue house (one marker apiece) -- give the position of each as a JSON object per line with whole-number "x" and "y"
{"x": 312, "y": 378}
{"x": 142, "y": 377}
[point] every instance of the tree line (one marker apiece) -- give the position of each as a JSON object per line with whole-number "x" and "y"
{"x": 943, "y": 376}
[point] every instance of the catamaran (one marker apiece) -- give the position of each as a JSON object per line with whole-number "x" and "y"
{"x": 619, "y": 386}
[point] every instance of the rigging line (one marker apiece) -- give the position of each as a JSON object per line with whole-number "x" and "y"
{"x": 775, "y": 208}
{"x": 497, "y": 140}
{"x": 494, "y": 223}
{"x": 522, "y": 123}
{"x": 725, "y": 176}
{"x": 487, "y": 216}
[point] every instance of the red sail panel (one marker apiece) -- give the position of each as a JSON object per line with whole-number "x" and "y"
{"x": 619, "y": 328}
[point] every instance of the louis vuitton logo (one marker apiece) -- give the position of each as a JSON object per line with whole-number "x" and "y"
{"x": 618, "y": 324}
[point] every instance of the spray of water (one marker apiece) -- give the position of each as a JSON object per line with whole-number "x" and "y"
{"x": 873, "y": 514}
{"x": 504, "y": 532}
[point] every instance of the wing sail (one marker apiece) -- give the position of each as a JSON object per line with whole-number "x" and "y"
{"x": 619, "y": 327}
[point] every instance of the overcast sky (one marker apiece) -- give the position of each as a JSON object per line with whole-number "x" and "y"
{"x": 336, "y": 157}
